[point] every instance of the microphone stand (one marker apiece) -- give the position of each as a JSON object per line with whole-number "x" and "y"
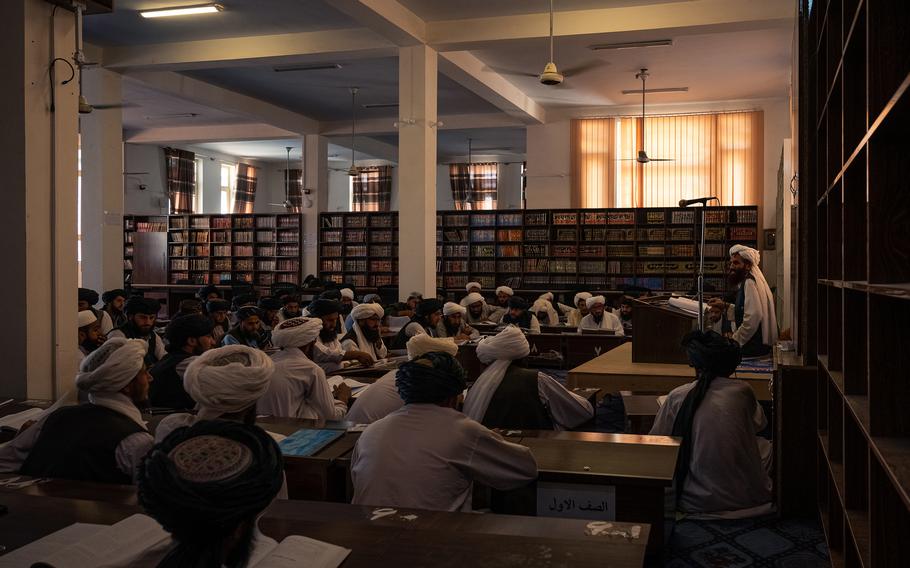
{"x": 701, "y": 273}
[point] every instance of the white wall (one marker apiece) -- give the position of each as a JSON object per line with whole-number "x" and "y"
{"x": 549, "y": 185}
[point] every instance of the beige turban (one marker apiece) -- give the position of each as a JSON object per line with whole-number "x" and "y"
{"x": 451, "y": 308}
{"x": 541, "y": 305}
{"x": 112, "y": 366}
{"x": 366, "y": 311}
{"x": 347, "y": 293}
{"x": 423, "y": 343}
{"x": 594, "y": 300}
{"x": 86, "y": 317}
{"x": 505, "y": 290}
{"x": 766, "y": 304}
{"x": 499, "y": 351}
{"x": 548, "y": 296}
{"x": 582, "y": 296}
{"x": 471, "y": 298}
{"x": 227, "y": 379}
{"x": 470, "y": 285}
{"x": 296, "y": 332}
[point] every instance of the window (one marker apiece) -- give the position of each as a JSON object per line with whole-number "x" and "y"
{"x": 717, "y": 155}
{"x": 228, "y": 186}
{"x": 474, "y": 186}
{"x": 199, "y": 205}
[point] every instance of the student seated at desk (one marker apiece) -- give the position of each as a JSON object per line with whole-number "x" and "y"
{"x": 453, "y": 325}
{"x": 103, "y": 440}
{"x": 625, "y": 314}
{"x": 365, "y": 334}
{"x": 187, "y": 336}
{"x": 478, "y": 309}
{"x": 425, "y": 320}
{"x": 722, "y": 469}
{"x": 207, "y": 485}
{"x": 503, "y": 295}
{"x": 298, "y": 387}
{"x": 507, "y": 395}
{"x": 248, "y": 330}
{"x": 575, "y": 315}
{"x": 546, "y": 314}
{"x": 520, "y": 315}
{"x": 426, "y": 455}
{"x": 327, "y": 351}
{"x": 600, "y": 319}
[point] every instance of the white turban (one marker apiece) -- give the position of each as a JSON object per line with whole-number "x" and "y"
{"x": 451, "y": 308}
{"x": 86, "y": 317}
{"x": 766, "y": 303}
{"x": 541, "y": 305}
{"x": 366, "y": 311}
{"x": 471, "y": 298}
{"x": 228, "y": 379}
{"x": 499, "y": 351}
{"x": 112, "y": 366}
{"x": 548, "y": 296}
{"x": 347, "y": 293}
{"x": 296, "y": 332}
{"x": 505, "y": 290}
{"x": 582, "y": 296}
{"x": 594, "y": 300}
{"x": 470, "y": 285}
{"x": 422, "y": 343}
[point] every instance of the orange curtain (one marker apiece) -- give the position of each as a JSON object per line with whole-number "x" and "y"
{"x": 594, "y": 162}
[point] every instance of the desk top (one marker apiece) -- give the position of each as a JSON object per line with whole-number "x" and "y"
{"x": 619, "y": 362}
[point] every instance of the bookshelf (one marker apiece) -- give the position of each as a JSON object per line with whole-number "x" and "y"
{"x": 359, "y": 248}
{"x": 858, "y": 113}
{"x": 257, "y": 250}
{"x": 558, "y": 249}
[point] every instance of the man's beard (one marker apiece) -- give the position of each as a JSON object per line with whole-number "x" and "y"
{"x": 598, "y": 319}
{"x": 478, "y": 313}
{"x": 370, "y": 334}
{"x": 346, "y": 309}
{"x": 90, "y": 345}
{"x": 736, "y": 277}
{"x": 328, "y": 335}
{"x": 452, "y": 329}
{"x": 294, "y": 314}
{"x": 504, "y": 303}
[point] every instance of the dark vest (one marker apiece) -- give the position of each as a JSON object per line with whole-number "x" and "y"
{"x": 130, "y": 332}
{"x": 516, "y": 403}
{"x": 754, "y": 347}
{"x": 401, "y": 340}
{"x": 79, "y": 442}
{"x": 166, "y": 390}
{"x": 524, "y": 321}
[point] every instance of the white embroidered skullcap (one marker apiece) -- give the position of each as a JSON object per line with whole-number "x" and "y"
{"x": 422, "y": 343}
{"x": 227, "y": 379}
{"x": 296, "y": 332}
{"x": 367, "y": 311}
{"x": 86, "y": 317}
{"x": 112, "y": 366}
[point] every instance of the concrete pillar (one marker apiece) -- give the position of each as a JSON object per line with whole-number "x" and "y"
{"x": 102, "y": 183}
{"x": 38, "y": 213}
{"x": 316, "y": 170}
{"x": 417, "y": 71}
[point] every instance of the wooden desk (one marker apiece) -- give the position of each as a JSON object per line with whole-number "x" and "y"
{"x": 615, "y": 371}
{"x": 435, "y": 539}
{"x": 106, "y": 492}
{"x": 640, "y": 411}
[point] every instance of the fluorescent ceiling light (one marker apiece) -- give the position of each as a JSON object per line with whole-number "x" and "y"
{"x": 632, "y": 44}
{"x": 306, "y": 67}
{"x": 664, "y": 90}
{"x": 177, "y": 115}
{"x": 381, "y": 105}
{"x": 182, "y": 11}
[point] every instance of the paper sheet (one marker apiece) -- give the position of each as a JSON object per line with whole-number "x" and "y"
{"x": 15, "y": 421}
{"x": 298, "y": 551}
{"x": 44, "y": 547}
{"x": 337, "y": 380}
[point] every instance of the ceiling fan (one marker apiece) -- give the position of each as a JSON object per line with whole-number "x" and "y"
{"x": 82, "y": 63}
{"x": 643, "y": 157}
{"x": 306, "y": 201}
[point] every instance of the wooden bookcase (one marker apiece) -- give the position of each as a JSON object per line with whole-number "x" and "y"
{"x": 257, "y": 250}
{"x": 542, "y": 249}
{"x": 859, "y": 188}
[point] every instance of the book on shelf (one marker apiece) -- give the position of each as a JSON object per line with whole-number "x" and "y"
{"x": 536, "y": 218}
{"x": 456, "y": 220}
{"x": 563, "y": 266}
{"x": 382, "y": 220}
{"x": 199, "y": 264}
{"x": 484, "y": 280}
{"x": 199, "y": 222}
{"x": 593, "y": 234}
{"x": 331, "y": 236}
{"x": 243, "y": 222}
{"x": 714, "y": 250}
{"x": 221, "y": 277}
{"x": 222, "y": 264}
{"x": 483, "y": 220}
{"x": 684, "y": 250}
{"x": 199, "y": 250}
{"x": 620, "y": 250}
{"x": 715, "y": 233}
{"x": 355, "y": 250}
{"x": 383, "y": 236}
{"x": 715, "y": 215}
{"x": 455, "y": 250}
{"x": 178, "y": 222}
{"x": 331, "y": 250}
{"x": 684, "y": 217}
{"x": 243, "y": 250}
{"x": 265, "y": 250}
{"x": 177, "y": 250}
{"x": 127, "y": 264}
{"x": 456, "y": 281}
{"x": 508, "y": 250}
{"x": 221, "y": 250}
{"x": 594, "y": 218}
{"x": 564, "y": 250}
{"x": 355, "y": 236}
{"x": 566, "y": 235}
{"x": 357, "y": 265}
{"x": 456, "y": 235}
{"x": 565, "y": 218}
{"x": 382, "y": 280}
{"x": 620, "y": 234}
{"x": 288, "y": 236}
{"x": 331, "y": 266}
{"x": 652, "y": 234}
{"x": 508, "y": 235}
{"x": 151, "y": 226}
{"x": 287, "y": 250}
{"x": 288, "y": 221}
{"x": 455, "y": 266}
{"x": 265, "y": 222}
{"x": 651, "y": 250}
{"x": 221, "y": 222}
{"x": 265, "y": 236}
{"x": 332, "y": 221}
{"x": 483, "y": 266}
{"x": 620, "y": 218}
{"x": 265, "y": 265}
{"x": 288, "y": 265}
{"x": 742, "y": 234}
{"x": 592, "y": 266}
{"x": 509, "y": 220}
{"x": 535, "y": 265}
{"x": 537, "y": 234}
{"x": 483, "y": 235}
{"x": 681, "y": 234}
{"x": 536, "y": 250}
{"x": 746, "y": 215}
{"x": 243, "y": 236}
{"x": 589, "y": 251}
{"x": 355, "y": 221}
{"x": 508, "y": 266}
{"x": 381, "y": 250}
{"x": 483, "y": 250}
{"x": 243, "y": 264}
{"x": 383, "y": 265}
{"x": 221, "y": 236}
{"x": 654, "y": 217}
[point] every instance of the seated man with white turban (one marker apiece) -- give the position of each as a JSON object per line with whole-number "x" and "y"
{"x": 103, "y": 440}
{"x": 427, "y": 455}
{"x": 347, "y": 301}
{"x": 600, "y": 319}
{"x": 478, "y": 309}
{"x": 575, "y": 315}
{"x": 424, "y": 320}
{"x": 87, "y": 300}
{"x": 473, "y": 288}
{"x": 545, "y": 312}
{"x": 298, "y": 388}
{"x": 520, "y": 315}
{"x": 722, "y": 469}
{"x": 381, "y": 398}
{"x": 453, "y": 325}
{"x": 508, "y": 395}
{"x": 226, "y": 383}
{"x": 365, "y": 335}
{"x": 327, "y": 351}
{"x": 503, "y": 294}
{"x": 753, "y": 310}
{"x": 89, "y": 333}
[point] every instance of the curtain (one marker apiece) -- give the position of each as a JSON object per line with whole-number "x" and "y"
{"x": 719, "y": 155}
{"x": 372, "y": 189}
{"x": 294, "y": 180}
{"x": 181, "y": 180}
{"x": 474, "y": 186}
{"x": 245, "y": 192}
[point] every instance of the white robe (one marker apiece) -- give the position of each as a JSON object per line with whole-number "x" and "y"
{"x": 471, "y": 332}
{"x": 425, "y": 456}
{"x": 378, "y": 401}
{"x": 573, "y": 318}
{"x": 298, "y": 389}
{"x": 362, "y": 344}
{"x": 608, "y": 323}
{"x": 728, "y": 475}
{"x": 490, "y": 314}
{"x": 752, "y": 315}
{"x": 328, "y": 355}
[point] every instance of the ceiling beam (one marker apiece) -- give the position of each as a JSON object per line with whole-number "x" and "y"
{"x": 252, "y": 50}
{"x": 206, "y": 133}
{"x": 388, "y": 18}
{"x": 478, "y": 33}
{"x": 369, "y": 146}
{"x": 213, "y": 96}
{"x": 449, "y": 122}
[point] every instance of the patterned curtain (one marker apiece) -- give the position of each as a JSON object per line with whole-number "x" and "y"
{"x": 295, "y": 190}
{"x": 181, "y": 180}
{"x": 460, "y": 179}
{"x": 373, "y": 189}
{"x": 245, "y": 193}
{"x": 474, "y": 186}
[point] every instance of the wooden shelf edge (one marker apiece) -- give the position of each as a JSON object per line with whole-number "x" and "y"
{"x": 836, "y": 470}
{"x": 893, "y": 455}
{"x": 898, "y": 290}
{"x": 837, "y": 377}
{"x": 835, "y": 557}
{"x": 859, "y": 528}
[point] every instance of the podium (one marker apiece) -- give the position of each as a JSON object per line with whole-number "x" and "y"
{"x": 658, "y": 329}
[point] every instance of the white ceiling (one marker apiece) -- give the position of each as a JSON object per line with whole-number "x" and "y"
{"x": 434, "y": 10}
{"x": 148, "y": 108}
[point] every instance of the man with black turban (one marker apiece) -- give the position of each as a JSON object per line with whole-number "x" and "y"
{"x": 425, "y": 319}
{"x": 327, "y": 351}
{"x": 405, "y": 460}
{"x": 290, "y": 307}
{"x": 217, "y": 311}
{"x": 113, "y": 306}
{"x": 188, "y": 336}
{"x": 207, "y": 292}
{"x": 520, "y": 315}
{"x": 722, "y": 466}
{"x": 87, "y": 300}
{"x": 269, "y": 308}
{"x": 206, "y": 485}
{"x": 142, "y": 313}
{"x": 248, "y": 330}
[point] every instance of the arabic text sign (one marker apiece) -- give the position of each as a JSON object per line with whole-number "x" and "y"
{"x": 576, "y": 501}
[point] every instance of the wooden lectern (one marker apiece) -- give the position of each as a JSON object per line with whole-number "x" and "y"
{"x": 658, "y": 329}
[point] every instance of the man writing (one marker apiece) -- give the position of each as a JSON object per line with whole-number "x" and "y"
{"x": 365, "y": 335}
{"x": 142, "y": 313}
{"x": 327, "y": 351}
{"x": 600, "y": 319}
{"x": 452, "y": 323}
{"x": 575, "y": 315}
{"x": 478, "y": 310}
{"x": 187, "y": 336}
{"x": 519, "y": 315}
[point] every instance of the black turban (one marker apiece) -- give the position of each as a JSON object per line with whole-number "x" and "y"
{"x": 247, "y": 312}
{"x": 518, "y": 302}
{"x": 431, "y": 378}
{"x": 112, "y": 295}
{"x": 319, "y": 308}
{"x": 203, "y": 293}
{"x": 333, "y": 294}
{"x": 138, "y": 305}
{"x": 205, "y": 481}
{"x": 427, "y": 307}
{"x": 217, "y": 306}
{"x": 288, "y": 298}
{"x": 270, "y": 303}
{"x": 241, "y": 300}
{"x": 184, "y": 327}
{"x": 88, "y": 295}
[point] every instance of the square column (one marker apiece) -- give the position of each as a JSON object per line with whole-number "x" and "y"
{"x": 316, "y": 172}
{"x": 417, "y": 72}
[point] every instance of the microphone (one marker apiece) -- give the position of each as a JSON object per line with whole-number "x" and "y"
{"x": 702, "y": 200}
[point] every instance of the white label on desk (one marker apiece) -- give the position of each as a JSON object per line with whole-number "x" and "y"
{"x": 576, "y": 501}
